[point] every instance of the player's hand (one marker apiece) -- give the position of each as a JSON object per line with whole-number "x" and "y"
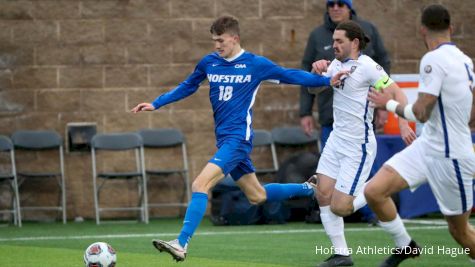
{"x": 143, "y": 107}
{"x": 320, "y": 66}
{"x": 336, "y": 80}
{"x": 378, "y": 99}
{"x": 307, "y": 124}
{"x": 407, "y": 134}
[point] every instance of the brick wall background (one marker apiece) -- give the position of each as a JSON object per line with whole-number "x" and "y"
{"x": 85, "y": 60}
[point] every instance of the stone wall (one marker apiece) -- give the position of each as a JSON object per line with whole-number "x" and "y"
{"x": 92, "y": 61}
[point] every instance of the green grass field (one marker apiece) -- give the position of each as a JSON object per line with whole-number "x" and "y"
{"x": 292, "y": 244}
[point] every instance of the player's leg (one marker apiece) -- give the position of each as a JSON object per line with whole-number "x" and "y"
{"x": 195, "y": 211}
{"x": 341, "y": 203}
{"x": 228, "y": 156}
{"x": 207, "y": 179}
{"x": 462, "y": 231}
{"x": 357, "y": 160}
{"x": 332, "y": 223}
{"x": 250, "y": 186}
{"x": 327, "y": 172}
{"x": 405, "y": 169}
{"x": 451, "y": 182}
{"x": 246, "y": 179}
{"x": 378, "y": 193}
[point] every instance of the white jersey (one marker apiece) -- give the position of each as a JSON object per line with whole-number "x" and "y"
{"x": 447, "y": 73}
{"x": 352, "y": 114}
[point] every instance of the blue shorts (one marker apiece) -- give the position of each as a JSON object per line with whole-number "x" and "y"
{"x": 233, "y": 158}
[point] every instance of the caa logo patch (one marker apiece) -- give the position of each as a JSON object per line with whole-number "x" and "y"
{"x": 240, "y": 66}
{"x": 428, "y": 69}
{"x": 378, "y": 67}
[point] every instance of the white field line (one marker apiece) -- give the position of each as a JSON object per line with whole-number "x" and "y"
{"x": 216, "y": 233}
{"x": 426, "y": 222}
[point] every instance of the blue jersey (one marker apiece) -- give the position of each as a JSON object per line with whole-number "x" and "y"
{"x": 233, "y": 88}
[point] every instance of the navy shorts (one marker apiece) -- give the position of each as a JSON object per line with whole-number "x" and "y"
{"x": 233, "y": 158}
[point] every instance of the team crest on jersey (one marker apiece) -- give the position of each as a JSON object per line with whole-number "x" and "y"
{"x": 353, "y": 68}
{"x": 428, "y": 69}
{"x": 378, "y": 67}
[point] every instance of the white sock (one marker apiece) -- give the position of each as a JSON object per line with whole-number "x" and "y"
{"x": 472, "y": 261}
{"x": 334, "y": 228}
{"x": 398, "y": 231}
{"x": 359, "y": 200}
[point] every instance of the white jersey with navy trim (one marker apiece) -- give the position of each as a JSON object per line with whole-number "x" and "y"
{"x": 233, "y": 87}
{"x": 351, "y": 111}
{"x": 447, "y": 73}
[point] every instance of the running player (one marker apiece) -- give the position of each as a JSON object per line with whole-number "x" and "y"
{"x": 234, "y": 77}
{"x": 350, "y": 151}
{"x": 443, "y": 154}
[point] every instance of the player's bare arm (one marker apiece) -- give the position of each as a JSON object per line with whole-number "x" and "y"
{"x": 422, "y": 108}
{"x": 419, "y": 111}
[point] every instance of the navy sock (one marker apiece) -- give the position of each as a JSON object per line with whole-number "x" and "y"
{"x": 279, "y": 192}
{"x": 194, "y": 213}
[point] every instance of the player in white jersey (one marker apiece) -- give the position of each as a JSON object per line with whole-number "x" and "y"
{"x": 350, "y": 151}
{"x": 443, "y": 155}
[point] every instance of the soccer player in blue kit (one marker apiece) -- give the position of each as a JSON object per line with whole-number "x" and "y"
{"x": 234, "y": 77}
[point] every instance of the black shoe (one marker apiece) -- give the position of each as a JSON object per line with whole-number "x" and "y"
{"x": 400, "y": 254}
{"x": 337, "y": 260}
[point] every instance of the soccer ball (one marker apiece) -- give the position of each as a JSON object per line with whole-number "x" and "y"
{"x": 100, "y": 254}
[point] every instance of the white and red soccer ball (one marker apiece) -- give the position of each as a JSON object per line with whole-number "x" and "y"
{"x": 100, "y": 254}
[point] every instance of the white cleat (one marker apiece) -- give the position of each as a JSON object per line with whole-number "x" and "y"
{"x": 171, "y": 247}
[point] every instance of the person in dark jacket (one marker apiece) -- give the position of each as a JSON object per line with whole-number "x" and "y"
{"x": 319, "y": 46}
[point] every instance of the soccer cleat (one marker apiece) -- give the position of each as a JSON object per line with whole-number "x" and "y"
{"x": 400, "y": 254}
{"x": 337, "y": 260}
{"x": 172, "y": 247}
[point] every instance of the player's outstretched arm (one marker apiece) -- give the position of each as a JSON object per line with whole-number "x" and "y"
{"x": 183, "y": 90}
{"x": 143, "y": 107}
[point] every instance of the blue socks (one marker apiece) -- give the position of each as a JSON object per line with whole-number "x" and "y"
{"x": 194, "y": 213}
{"x": 279, "y": 192}
{"x": 197, "y": 206}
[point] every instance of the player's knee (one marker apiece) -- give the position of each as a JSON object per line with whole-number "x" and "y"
{"x": 342, "y": 210}
{"x": 199, "y": 186}
{"x": 374, "y": 194}
{"x": 257, "y": 198}
{"x": 370, "y": 193}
